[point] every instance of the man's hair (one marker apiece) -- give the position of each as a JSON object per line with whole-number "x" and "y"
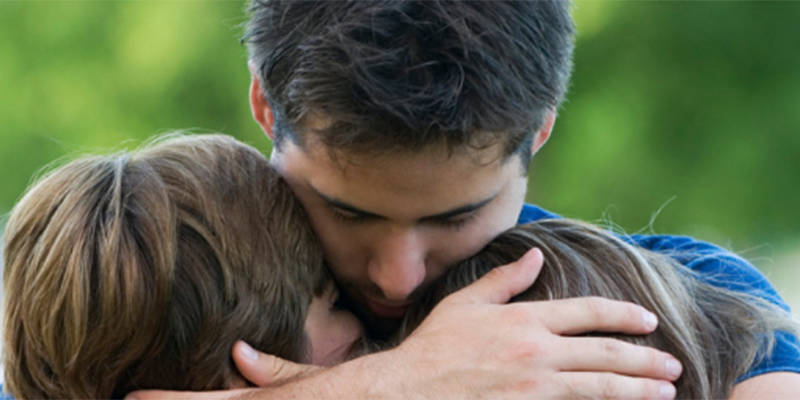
{"x": 141, "y": 269}
{"x": 715, "y": 333}
{"x": 401, "y": 75}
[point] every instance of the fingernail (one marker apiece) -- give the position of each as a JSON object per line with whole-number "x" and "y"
{"x": 531, "y": 254}
{"x": 667, "y": 391}
{"x": 650, "y": 320}
{"x": 248, "y": 352}
{"x": 674, "y": 368}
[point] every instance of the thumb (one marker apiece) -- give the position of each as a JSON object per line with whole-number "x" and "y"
{"x": 264, "y": 369}
{"x": 499, "y": 285}
{"x": 170, "y": 395}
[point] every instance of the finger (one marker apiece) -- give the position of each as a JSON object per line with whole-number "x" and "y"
{"x": 502, "y": 283}
{"x": 595, "y": 314}
{"x": 612, "y": 355}
{"x": 167, "y": 395}
{"x": 264, "y": 369}
{"x": 610, "y": 386}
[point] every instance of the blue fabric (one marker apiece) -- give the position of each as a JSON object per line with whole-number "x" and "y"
{"x": 719, "y": 267}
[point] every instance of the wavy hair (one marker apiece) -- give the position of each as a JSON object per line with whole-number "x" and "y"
{"x": 715, "y": 333}
{"x": 141, "y": 269}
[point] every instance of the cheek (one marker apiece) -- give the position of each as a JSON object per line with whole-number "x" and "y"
{"x": 349, "y": 328}
{"x": 345, "y": 257}
{"x": 342, "y": 246}
{"x": 454, "y": 247}
{"x": 341, "y": 332}
{"x": 347, "y": 249}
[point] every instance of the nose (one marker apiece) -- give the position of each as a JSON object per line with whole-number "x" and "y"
{"x": 397, "y": 263}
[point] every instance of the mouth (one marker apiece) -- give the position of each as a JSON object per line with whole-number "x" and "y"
{"x": 387, "y": 311}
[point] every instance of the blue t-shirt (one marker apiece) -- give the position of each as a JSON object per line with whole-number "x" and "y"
{"x": 715, "y": 263}
{"x": 719, "y": 267}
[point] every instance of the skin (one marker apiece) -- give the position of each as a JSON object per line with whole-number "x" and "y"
{"x": 389, "y": 227}
{"x": 776, "y": 385}
{"x": 513, "y": 364}
{"x": 472, "y": 344}
{"x": 390, "y": 224}
{"x": 331, "y": 330}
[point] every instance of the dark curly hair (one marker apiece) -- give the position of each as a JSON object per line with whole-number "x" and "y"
{"x": 394, "y": 75}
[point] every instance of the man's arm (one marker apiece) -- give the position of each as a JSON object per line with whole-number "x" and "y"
{"x": 474, "y": 345}
{"x": 775, "y": 385}
{"x": 777, "y": 374}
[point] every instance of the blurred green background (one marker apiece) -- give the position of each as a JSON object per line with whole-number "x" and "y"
{"x": 691, "y": 108}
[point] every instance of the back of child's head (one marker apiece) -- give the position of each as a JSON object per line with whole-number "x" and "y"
{"x": 141, "y": 269}
{"x": 716, "y": 333}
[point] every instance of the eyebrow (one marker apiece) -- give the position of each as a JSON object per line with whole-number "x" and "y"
{"x": 465, "y": 209}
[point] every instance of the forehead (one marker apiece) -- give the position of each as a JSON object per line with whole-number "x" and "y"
{"x": 397, "y": 185}
{"x": 353, "y": 144}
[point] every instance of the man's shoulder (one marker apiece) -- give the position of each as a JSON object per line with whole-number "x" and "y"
{"x": 720, "y": 267}
{"x": 532, "y": 213}
{"x": 712, "y": 263}
{"x": 4, "y": 395}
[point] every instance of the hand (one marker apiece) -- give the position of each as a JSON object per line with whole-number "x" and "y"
{"x": 264, "y": 370}
{"x": 474, "y": 345}
{"x": 167, "y": 395}
{"x": 258, "y": 368}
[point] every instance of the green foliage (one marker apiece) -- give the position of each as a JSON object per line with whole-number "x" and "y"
{"x": 696, "y": 101}
{"x": 688, "y": 105}
{"x": 82, "y": 76}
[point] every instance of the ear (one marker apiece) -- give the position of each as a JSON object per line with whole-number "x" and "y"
{"x": 540, "y": 138}
{"x": 262, "y": 113}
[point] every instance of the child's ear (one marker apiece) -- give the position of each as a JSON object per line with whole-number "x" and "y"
{"x": 237, "y": 381}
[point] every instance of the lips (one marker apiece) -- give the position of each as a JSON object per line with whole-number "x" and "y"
{"x": 387, "y": 311}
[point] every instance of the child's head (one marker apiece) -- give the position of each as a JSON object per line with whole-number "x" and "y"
{"x": 714, "y": 332}
{"x": 141, "y": 270}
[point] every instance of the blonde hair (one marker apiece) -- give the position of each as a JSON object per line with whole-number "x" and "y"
{"x": 141, "y": 269}
{"x": 714, "y": 332}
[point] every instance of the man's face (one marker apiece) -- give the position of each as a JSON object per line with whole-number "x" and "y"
{"x": 392, "y": 224}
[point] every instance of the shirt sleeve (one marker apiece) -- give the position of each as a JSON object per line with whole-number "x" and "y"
{"x": 5, "y": 395}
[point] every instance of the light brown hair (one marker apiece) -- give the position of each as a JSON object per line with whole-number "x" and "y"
{"x": 715, "y": 333}
{"x": 141, "y": 269}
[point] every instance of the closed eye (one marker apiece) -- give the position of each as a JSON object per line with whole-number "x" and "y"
{"x": 454, "y": 224}
{"x": 348, "y": 217}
